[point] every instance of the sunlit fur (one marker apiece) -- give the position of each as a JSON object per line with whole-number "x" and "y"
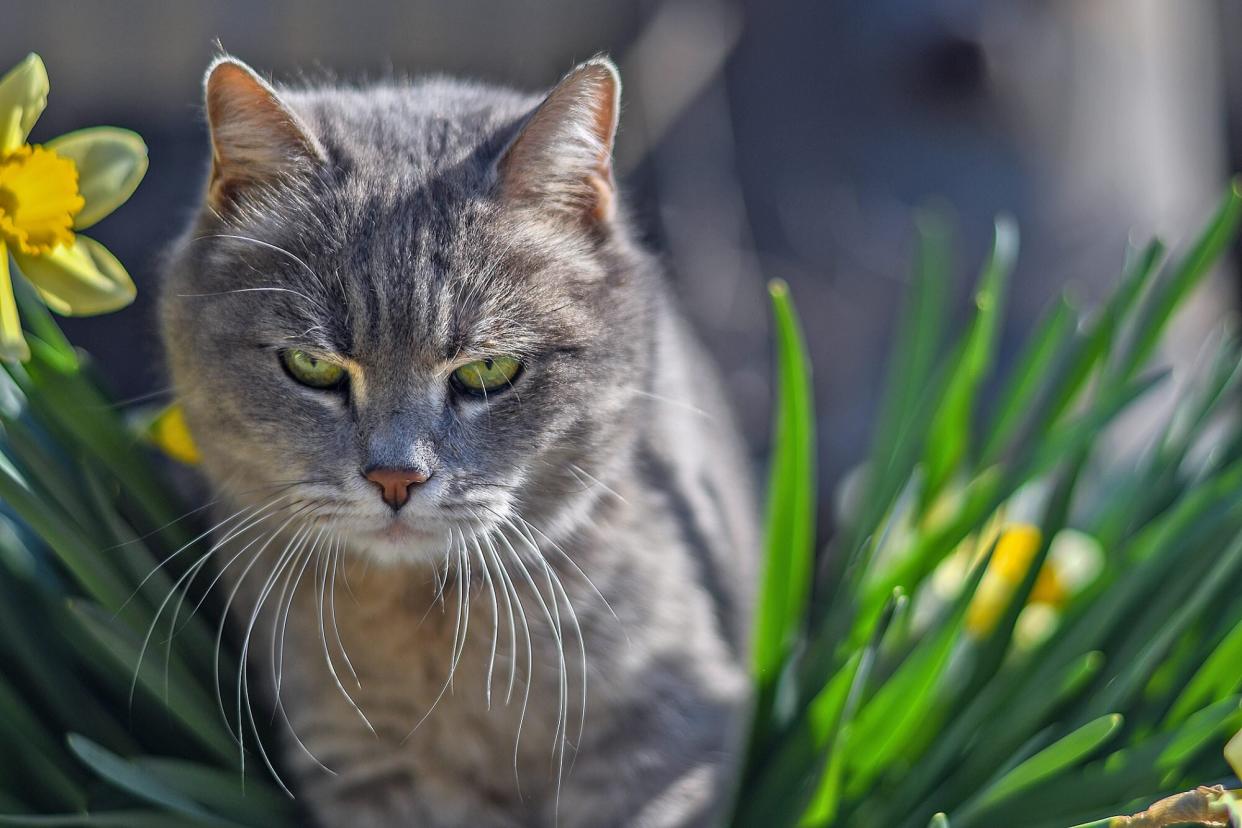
{"x": 553, "y": 628}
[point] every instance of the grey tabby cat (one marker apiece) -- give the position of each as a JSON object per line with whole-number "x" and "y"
{"x": 487, "y": 530}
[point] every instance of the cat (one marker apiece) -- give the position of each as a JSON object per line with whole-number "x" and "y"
{"x": 486, "y": 525}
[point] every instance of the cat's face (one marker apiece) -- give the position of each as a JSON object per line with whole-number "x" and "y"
{"x": 399, "y": 321}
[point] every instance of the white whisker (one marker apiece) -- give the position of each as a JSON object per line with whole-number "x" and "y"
{"x": 337, "y": 554}
{"x": 298, "y": 551}
{"x": 554, "y": 626}
{"x": 491, "y": 588}
{"x": 530, "y": 659}
{"x": 457, "y": 628}
{"x": 573, "y": 617}
{"x": 224, "y": 617}
{"x": 578, "y": 470}
{"x": 173, "y": 590}
{"x": 278, "y": 249}
{"x": 327, "y": 655}
{"x": 569, "y": 560}
{"x": 282, "y": 621}
{"x": 679, "y": 403}
{"x": 243, "y": 683}
{"x": 168, "y": 559}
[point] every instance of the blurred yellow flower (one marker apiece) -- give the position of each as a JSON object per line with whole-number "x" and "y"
{"x": 50, "y": 192}
{"x": 1015, "y": 548}
{"x": 1073, "y": 561}
{"x": 170, "y": 434}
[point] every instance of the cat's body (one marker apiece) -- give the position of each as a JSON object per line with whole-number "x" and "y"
{"x": 594, "y": 505}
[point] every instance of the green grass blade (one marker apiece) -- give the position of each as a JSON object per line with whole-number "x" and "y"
{"x": 1144, "y": 661}
{"x": 77, "y": 553}
{"x": 46, "y": 772}
{"x": 885, "y": 724}
{"x": 105, "y": 819}
{"x": 1218, "y": 676}
{"x": 786, "y": 581}
{"x": 1197, "y": 262}
{"x": 913, "y": 358}
{"x": 1058, "y": 757}
{"x": 224, "y": 791}
{"x": 133, "y": 779}
{"x": 185, "y": 699}
{"x": 1027, "y": 378}
{"x": 826, "y": 798}
{"x": 950, "y": 435}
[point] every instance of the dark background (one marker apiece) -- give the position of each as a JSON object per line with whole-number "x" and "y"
{"x": 759, "y": 139}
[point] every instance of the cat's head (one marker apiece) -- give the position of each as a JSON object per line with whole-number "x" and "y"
{"x": 410, "y": 310}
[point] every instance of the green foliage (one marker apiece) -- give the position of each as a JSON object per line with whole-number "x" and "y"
{"x": 895, "y": 690}
{"x": 86, "y": 520}
{"x": 901, "y": 705}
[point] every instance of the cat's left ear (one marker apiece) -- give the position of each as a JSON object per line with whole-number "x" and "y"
{"x": 562, "y": 157}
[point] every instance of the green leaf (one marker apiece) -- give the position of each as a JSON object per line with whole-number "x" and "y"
{"x": 44, "y": 764}
{"x": 76, "y": 552}
{"x": 826, "y": 798}
{"x": 1058, "y": 757}
{"x": 1099, "y": 340}
{"x": 60, "y": 391}
{"x": 1148, "y": 654}
{"x": 106, "y": 819}
{"x": 789, "y": 561}
{"x": 911, "y": 364}
{"x": 1127, "y": 780}
{"x": 785, "y": 778}
{"x": 132, "y": 778}
{"x": 1193, "y": 734}
{"x": 223, "y": 791}
{"x": 1219, "y": 676}
{"x": 1196, "y": 264}
{"x": 886, "y": 723}
{"x": 188, "y": 702}
{"x": 951, "y": 431}
{"x": 1028, "y": 377}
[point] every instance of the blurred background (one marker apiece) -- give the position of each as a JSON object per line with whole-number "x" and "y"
{"x": 759, "y": 139}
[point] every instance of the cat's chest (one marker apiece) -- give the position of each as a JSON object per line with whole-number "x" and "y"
{"x": 401, "y": 678}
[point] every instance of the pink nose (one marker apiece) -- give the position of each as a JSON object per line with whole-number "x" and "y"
{"x": 394, "y": 484}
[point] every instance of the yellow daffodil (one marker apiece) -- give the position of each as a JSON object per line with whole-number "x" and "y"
{"x": 50, "y": 192}
{"x": 1074, "y": 560}
{"x": 170, "y": 434}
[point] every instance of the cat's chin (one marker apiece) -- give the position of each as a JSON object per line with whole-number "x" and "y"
{"x": 399, "y": 543}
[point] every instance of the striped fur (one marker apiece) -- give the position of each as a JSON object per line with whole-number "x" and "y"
{"x": 554, "y": 629}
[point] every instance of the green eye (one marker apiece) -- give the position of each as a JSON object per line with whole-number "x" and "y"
{"x": 485, "y": 376}
{"x": 312, "y": 371}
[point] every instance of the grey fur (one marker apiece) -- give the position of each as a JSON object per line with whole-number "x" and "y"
{"x": 611, "y": 467}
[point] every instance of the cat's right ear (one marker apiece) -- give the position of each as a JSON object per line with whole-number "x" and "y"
{"x": 255, "y": 137}
{"x": 561, "y": 158}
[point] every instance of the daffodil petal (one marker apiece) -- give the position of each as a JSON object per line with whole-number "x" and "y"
{"x": 169, "y": 432}
{"x": 23, "y": 94}
{"x": 110, "y": 164}
{"x": 13, "y": 347}
{"x": 79, "y": 280}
